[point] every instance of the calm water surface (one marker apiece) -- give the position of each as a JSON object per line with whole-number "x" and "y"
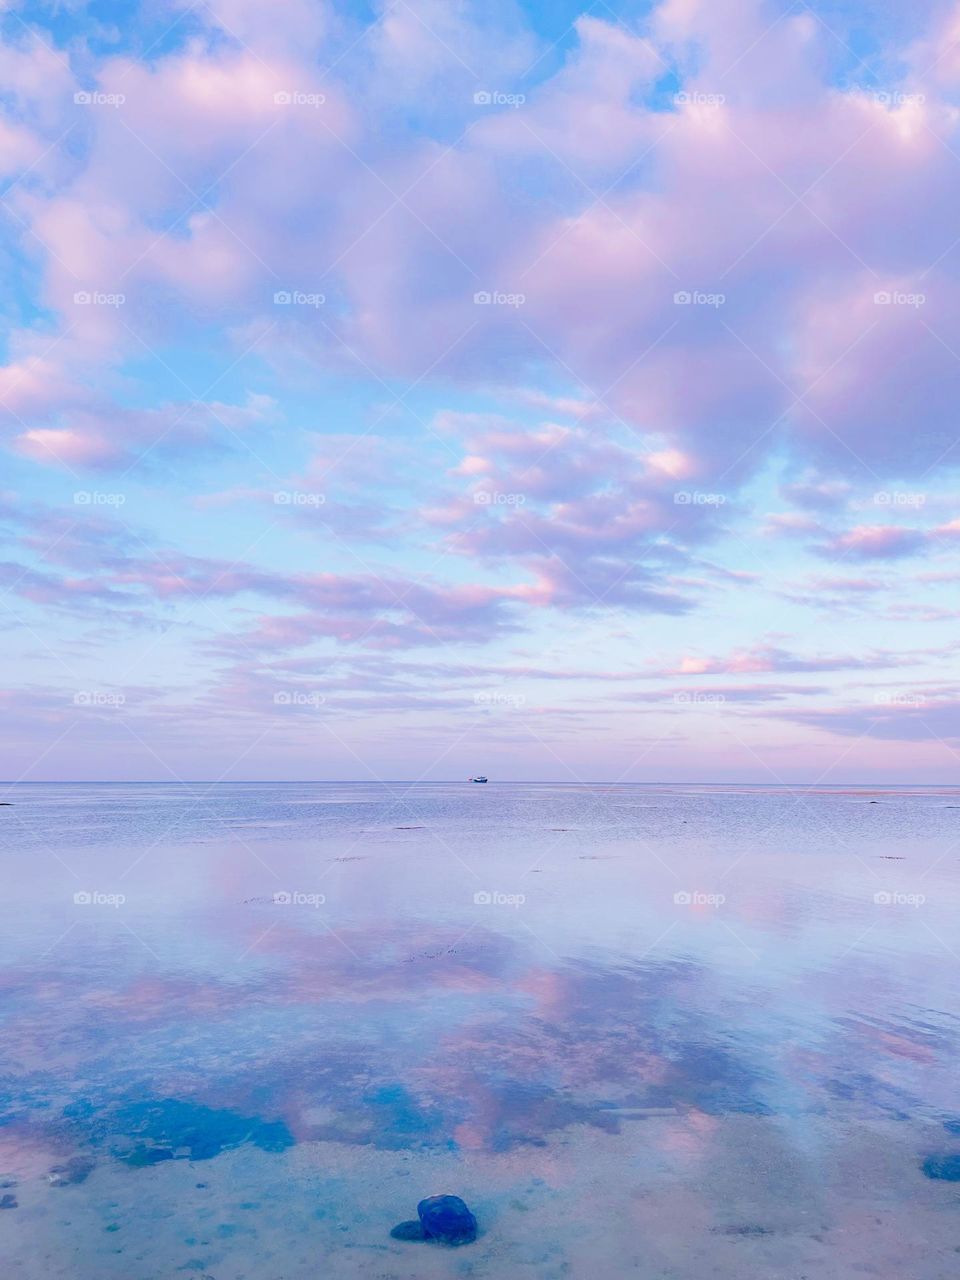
{"x": 644, "y": 1031}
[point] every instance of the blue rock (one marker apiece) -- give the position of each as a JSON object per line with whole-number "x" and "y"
{"x": 448, "y": 1219}
{"x": 443, "y": 1219}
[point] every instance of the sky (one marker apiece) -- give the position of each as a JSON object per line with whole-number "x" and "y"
{"x": 406, "y": 390}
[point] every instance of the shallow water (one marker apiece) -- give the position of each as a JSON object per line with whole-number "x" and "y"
{"x": 653, "y": 1031}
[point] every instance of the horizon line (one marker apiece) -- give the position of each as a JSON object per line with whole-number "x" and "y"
{"x": 430, "y": 782}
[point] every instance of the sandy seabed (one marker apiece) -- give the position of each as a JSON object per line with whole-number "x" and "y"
{"x": 642, "y": 1202}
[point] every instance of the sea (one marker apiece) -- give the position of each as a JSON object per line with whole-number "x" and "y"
{"x": 682, "y": 1031}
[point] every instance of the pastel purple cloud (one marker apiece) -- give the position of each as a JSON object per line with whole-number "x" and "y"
{"x": 778, "y": 198}
{"x": 415, "y": 330}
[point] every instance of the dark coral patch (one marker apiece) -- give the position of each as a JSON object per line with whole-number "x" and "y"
{"x": 169, "y": 1128}
{"x": 943, "y": 1168}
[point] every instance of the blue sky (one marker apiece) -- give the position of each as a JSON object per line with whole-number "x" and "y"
{"x": 404, "y": 390}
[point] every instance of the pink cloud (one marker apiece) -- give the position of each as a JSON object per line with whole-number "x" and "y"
{"x": 798, "y": 348}
{"x": 769, "y": 658}
{"x": 876, "y": 542}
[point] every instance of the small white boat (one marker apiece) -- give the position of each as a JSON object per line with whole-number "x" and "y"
{"x": 478, "y": 778}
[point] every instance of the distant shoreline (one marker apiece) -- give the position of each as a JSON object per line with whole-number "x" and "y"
{"x": 450, "y": 782}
